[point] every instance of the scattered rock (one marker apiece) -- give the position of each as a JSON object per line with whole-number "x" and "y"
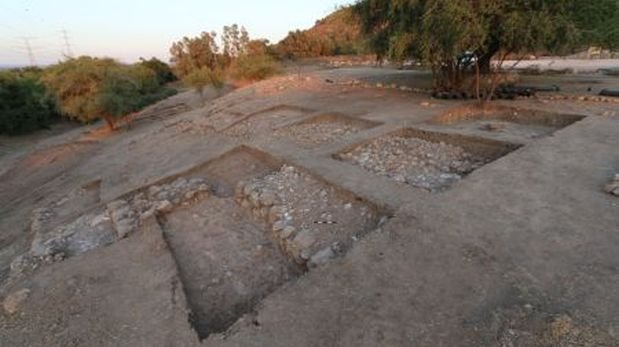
{"x": 613, "y": 187}
{"x": 420, "y": 163}
{"x": 301, "y": 201}
{"x": 318, "y": 132}
{"x": 12, "y": 302}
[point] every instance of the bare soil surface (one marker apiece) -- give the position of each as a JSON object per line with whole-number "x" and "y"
{"x": 338, "y": 207}
{"x": 226, "y": 262}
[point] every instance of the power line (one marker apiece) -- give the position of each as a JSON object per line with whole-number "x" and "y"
{"x": 28, "y": 48}
{"x": 67, "y": 45}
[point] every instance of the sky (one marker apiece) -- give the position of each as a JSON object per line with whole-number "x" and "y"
{"x": 129, "y": 29}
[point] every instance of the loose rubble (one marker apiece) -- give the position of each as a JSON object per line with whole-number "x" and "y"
{"x": 317, "y": 133}
{"x": 613, "y": 187}
{"x": 420, "y": 163}
{"x": 103, "y": 226}
{"x": 308, "y": 219}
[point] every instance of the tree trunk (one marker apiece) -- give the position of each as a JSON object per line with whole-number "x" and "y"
{"x": 477, "y": 82}
{"x": 109, "y": 120}
{"x": 485, "y": 57}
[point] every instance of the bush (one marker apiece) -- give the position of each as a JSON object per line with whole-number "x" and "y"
{"x": 162, "y": 70}
{"x": 91, "y": 88}
{"x": 199, "y": 79}
{"x": 254, "y": 67}
{"x": 24, "y": 105}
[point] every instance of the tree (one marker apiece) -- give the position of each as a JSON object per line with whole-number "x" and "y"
{"x": 200, "y": 62}
{"x": 337, "y": 34}
{"x": 235, "y": 43}
{"x": 299, "y": 44}
{"x": 452, "y": 36}
{"x": 24, "y": 104}
{"x": 201, "y": 78}
{"x": 253, "y": 67}
{"x": 195, "y": 53}
{"x": 89, "y": 88}
{"x": 162, "y": 70}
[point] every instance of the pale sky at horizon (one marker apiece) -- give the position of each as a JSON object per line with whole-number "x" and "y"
{"x": 129, "y": 29}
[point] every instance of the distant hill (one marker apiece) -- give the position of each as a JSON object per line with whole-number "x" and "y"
{"x": 337, "y": 34}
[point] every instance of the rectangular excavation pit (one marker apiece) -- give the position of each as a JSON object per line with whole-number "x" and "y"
{"x": 234, "y": 251}
{"x": 226, "y": 262}
{"x": 265, "y": 120}
{"x": 424, "y": 159}
{"x": 517, "y": 123}
{"x": 324, "y": 128}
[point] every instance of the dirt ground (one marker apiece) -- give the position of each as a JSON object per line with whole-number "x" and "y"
{"x": 341, "y": 207}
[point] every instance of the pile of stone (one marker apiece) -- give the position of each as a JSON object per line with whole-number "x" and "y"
{"x": 307, "y": 219}
{"x": 126, "y": 214}
{"x": 103, "y": 226}
{"x": 87, "y": 232}
{"x": 429, "y": 165}
{"x": 613, "y": 187}
{"x": 317, "y": 133}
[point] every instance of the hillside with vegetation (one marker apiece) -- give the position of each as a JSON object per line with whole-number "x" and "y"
{"x": 337, "y": 34}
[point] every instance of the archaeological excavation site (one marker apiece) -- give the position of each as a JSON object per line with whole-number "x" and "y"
{"x": 296, "y": 212}
{"x": 325, "y": 173}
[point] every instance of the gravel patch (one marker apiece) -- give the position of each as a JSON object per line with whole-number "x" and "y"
{"x": 419, "y": 163}
{"x": 317, "y": 133}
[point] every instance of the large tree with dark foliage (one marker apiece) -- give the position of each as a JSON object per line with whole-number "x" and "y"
{"x": 450, "y": 36}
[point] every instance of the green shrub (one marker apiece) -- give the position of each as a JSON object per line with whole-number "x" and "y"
{"x": 91, "y": 88}
{"x": 24, "y": 105}
{"x": 255, "y": 67}
{"x": 162, "y": 70}
{"x": 201, "y": 78}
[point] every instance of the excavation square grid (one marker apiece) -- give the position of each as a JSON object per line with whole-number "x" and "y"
{"x": 424, "y": 159}
{"x": 324, "y": 128}
{"x": 234, "y": 248}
